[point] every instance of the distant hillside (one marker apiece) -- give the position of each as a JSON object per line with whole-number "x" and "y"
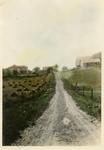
{"x": 89, "y": 77}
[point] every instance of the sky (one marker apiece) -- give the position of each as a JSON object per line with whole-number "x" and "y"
{"x": 48, "y": 32}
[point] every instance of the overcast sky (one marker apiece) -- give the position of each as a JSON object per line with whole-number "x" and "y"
{"x": 48, "y": 32}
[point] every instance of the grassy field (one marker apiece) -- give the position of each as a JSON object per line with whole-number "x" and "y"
{"x": 89, "y": 78}
{"x": 24, "y": 100}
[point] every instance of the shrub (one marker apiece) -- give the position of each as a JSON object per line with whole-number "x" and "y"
{"x": 14, "y": 94}
{"x": 18, "y": 90}
{"x": 15, "y": 86}
{"x": 10, "y": 84}
{"x": 26, "y": 89}
{"x": 22, "y": 85}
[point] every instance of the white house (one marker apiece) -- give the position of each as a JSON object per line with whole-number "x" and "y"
{"x": 94, "y": 60}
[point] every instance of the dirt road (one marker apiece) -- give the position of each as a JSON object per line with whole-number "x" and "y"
{"x": 63, "y": 123}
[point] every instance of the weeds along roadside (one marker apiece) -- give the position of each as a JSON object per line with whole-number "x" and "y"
{"x": 86, "y": 103}
{"x": 84, "y": 86}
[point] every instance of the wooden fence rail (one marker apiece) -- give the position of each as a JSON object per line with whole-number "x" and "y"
{"x": 83, "y": 90}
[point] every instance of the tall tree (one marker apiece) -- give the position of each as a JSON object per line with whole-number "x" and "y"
{"x": 64, "y": 68}
{"x": 56, "y": 67}
{"x": 36, "y": 70}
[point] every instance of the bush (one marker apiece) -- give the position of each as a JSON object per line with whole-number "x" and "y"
{"x": 14, "y": 94}
{"x": 15, "y": 86}
{"x": 26, "y": 89}
{"x": 19, "y": 90}
{"x": 10, "y": 84}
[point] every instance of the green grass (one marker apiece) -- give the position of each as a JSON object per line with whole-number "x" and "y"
{"x": 66, "y": 74}
{"x": 86, "y": 103}
{"x": 90, "y": 78}
{"x": 21, "y": 111}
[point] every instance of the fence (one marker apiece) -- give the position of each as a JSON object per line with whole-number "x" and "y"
{"x": 86, "y": 91}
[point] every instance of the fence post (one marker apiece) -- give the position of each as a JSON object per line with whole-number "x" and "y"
{"x": 76, "y": 85}
{"x": 83, "y": 91}
{"x": 71, "y": 86}
{"x": 92, "y": 93}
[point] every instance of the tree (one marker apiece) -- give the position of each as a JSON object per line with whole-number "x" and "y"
{"x": 15, "y": 72}
{"x": 64, "y": 68}
{"x": 36, "y": 70}
{"x": 8, "y": 73}
{"x": 23, "y": 72}
{"x": 4, "y": 73}
{"x": 56, "y": 67}
{"x": 49, "y": 69}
